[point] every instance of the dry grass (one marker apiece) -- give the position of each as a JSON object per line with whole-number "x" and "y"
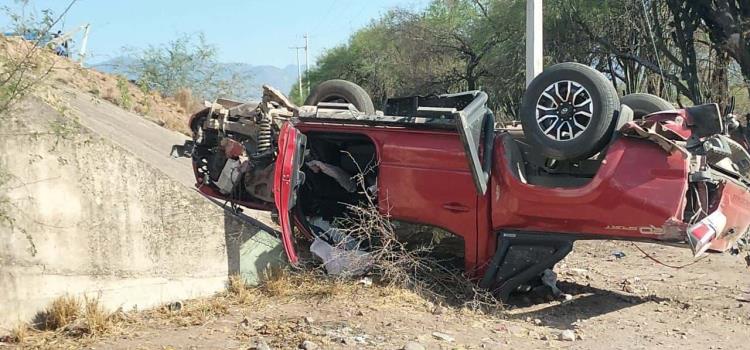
{"x": 96, "y": 317}
{"x": 241, "y": 293}
{"x": 19, "y": 333}
{"x": 62, "y": 312}
{"x": 87, "y": 315}
{"x": 285, "y": 283}
{"x": 187, "y": 103}
{"x": 68, "y": 320}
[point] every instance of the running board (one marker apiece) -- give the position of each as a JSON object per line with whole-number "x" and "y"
{"x": 521, "y": 257}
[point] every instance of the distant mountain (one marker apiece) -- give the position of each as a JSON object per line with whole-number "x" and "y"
{"x": 280, "y": 78}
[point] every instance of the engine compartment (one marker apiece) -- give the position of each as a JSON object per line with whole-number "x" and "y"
{"x": 235, "y": 147}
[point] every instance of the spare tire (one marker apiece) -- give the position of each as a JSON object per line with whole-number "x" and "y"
{"x": 342, "y": 91}
{"x": 568, "y": 110}
{"x": 645, "y": 104}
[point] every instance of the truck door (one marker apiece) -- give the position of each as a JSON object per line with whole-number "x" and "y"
{"x": 287, "y": 179}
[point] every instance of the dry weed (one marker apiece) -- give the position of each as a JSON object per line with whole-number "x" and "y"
{"x": 96, "y": 317}
{"x": 240, "y": 292}
{"x": 186, "y": 101}
{"x": 19, "y": 333}
{"x": 303, "y": 283}
{"x": 414, "y": 268}
{"x": 62, "y": 312}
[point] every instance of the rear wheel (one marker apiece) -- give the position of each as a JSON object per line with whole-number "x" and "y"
{"x": 341, "y": 91}
{"x": 645, "y": 104}
{"x": 567, "y": 111}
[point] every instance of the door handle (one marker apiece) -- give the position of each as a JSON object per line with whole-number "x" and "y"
{"x": 455, "y": 207}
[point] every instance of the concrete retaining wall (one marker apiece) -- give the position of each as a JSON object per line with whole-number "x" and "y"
{"x": 80, "y": 215}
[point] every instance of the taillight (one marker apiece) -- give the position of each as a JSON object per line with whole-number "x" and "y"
{"x": 703, "y": 232}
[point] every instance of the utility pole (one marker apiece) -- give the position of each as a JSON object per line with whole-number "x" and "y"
{"x": 534, "y": 27}
{"x": 299, "y": 69}
{"x": 307, "y": 66}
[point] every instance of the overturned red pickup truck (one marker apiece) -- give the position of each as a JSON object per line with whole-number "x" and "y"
{"x": 583, "y": 166}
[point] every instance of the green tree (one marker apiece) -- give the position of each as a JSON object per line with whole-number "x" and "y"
{"x": 188, "y": 62}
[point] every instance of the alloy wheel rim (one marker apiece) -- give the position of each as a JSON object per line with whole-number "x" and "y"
{"x": 564, "y": 110}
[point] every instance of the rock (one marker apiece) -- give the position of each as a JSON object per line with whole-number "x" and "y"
{"x": 77, "y": 328}
{"x": 492, "y": 346}
{"x": 568, "y": 335}
{"x": 174, "y": 307}
{"x": 308, "y": 345}
{"x": 580, "y": 272}
{"x": 443, "y": 336}
{"x": 260, "y": 344}
{"x": 537, "y": 322}
{"x": 412, "y": 345}
{"x": 518, "y": 331}
{"x": 438, "y": 310}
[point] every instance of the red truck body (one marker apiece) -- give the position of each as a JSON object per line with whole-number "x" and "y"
{"x": 639, "y": 190}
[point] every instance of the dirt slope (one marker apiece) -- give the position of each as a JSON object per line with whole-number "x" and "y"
{"x": 168, "y": 112}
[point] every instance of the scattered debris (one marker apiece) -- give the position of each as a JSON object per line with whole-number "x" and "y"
{"x": 260, "y": 344}
{"x": 174, "y": 307}
{"x": 549, "y": 279}
{"x": 618, "y": 254}
{"x": 443, "y": 336}
{"x": 308, "y": 345}
{"x": 338, "y": 261}
{"x": 412, "y": 345}
{"x": 632, "y": 285}
{"x": 366, "y": 281}
{"x": 568, "y": 335}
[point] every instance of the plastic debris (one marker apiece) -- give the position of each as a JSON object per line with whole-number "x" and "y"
{"x": 338, "y": 261}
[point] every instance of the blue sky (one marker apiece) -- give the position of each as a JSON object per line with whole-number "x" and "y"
{"x": 255, "y": 32}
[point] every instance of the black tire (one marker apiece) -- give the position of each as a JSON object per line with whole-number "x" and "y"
{"x": 645, "y": 104}
{"x": 581, "y": 143}
{"x": 341, "y": 91}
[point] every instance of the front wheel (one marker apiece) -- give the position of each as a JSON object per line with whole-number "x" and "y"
{"x": 568, "y": 110}
{"x": 645, "y": 104}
